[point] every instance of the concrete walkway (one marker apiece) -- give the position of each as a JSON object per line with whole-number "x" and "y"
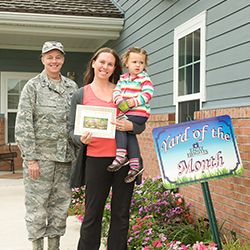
{"x": 13, "y": 234}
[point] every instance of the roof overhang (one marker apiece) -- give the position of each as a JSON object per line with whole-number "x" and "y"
{"x": 28, "y": 31}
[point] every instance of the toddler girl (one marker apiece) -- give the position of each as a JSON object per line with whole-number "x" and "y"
{"x": 136, "y": 88}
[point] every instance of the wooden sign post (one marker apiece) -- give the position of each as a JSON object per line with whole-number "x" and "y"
{"x": 197, "y": 152}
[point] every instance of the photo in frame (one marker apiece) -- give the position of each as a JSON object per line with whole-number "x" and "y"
{"x": 95, "y": 119}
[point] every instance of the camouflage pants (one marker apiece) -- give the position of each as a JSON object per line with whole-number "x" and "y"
{"x": 47, "y": 199}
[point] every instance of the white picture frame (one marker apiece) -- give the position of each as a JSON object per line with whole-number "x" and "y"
{"x": 95, "y": 119}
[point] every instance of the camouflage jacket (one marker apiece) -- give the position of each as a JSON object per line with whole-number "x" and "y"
{"x": 42, "y": 122}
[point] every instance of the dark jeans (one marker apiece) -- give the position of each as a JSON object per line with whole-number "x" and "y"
{"x": 98, "y": 183}
{"x": 129, "y": 141}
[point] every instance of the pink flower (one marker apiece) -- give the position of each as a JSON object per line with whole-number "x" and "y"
{"x": 203, "y": 247}
{"x": 135, "y": 227}
{"x": 79, "y": 217}
{"x": 200, "y": 246}
{"x": 163, "y": 238}
{"x": 157, "y": 243}
{"x": 170, "y": 243}
{"x": 212, "y": 246}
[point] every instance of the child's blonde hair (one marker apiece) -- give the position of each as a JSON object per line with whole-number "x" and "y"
{"x": 137, "y": 50}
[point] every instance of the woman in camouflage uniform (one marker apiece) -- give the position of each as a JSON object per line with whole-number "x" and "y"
{"x": 42, "y": 126}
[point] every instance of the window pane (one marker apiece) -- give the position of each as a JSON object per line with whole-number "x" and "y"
{"x": 182, "y": 51}
{"x": 11, "y": 127}
{"x": 14, "y": 89}
{"x": 181, "y": 90}
{"x": 197, "y": 78}
{"x": 187, "y": 109}
{"x": 197, "y": 45}
{"x": 189, "y": 48}
{"x": 189, "y": 80}
{"x": 13, "y": 101}
{"x": 189, "y": 64}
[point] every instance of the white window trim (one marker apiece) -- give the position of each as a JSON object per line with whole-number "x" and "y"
{"x": 4, "y": 93}
{"x": 197, "y": 22}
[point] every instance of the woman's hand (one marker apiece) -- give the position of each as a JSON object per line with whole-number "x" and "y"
{"x": 123, "y": 125}
{"x": 34, "y": 170}
{"x": 86, "y": 138}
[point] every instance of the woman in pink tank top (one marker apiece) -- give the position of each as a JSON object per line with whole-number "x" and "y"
{"x": 101, "y": 77}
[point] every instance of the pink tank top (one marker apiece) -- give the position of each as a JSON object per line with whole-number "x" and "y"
{"x": 99, "y": 147}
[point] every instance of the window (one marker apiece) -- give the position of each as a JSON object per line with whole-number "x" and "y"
{"x": 189, "y": 67}
{"x": 11, "y": 85}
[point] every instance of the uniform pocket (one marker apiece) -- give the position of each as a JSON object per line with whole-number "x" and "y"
{"x": 46, "y": 119}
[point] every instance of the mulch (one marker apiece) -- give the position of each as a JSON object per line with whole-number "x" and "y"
{"x": 12, "y": 176}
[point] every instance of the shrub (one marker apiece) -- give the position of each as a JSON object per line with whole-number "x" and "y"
{"x": 230, "y": 242}
{"x": 165, "y": 206}
{"x": 77, "y": 202}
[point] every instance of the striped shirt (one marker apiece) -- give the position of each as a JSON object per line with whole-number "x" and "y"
{"x": 139, "y": 88}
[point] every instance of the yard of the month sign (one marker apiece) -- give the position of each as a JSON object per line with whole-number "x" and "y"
{"x": 197, "y": 151}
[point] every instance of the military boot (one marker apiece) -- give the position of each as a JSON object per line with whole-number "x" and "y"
{"x": 38, "y": 244}
{"x": 54, "y": 243}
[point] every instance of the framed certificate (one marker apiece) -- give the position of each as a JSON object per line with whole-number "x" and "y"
{"x": 95, "y": 119}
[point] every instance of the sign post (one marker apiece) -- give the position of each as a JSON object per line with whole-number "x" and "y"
{"x": 211, "y": 214}
{"x": 197, "y": 152}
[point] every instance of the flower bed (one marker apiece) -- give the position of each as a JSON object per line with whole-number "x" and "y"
{"x": 160, "y": 219}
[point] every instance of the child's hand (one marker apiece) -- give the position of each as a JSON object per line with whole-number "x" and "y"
{"x": 118, "y": 100}
{"x": 131, "y": 102}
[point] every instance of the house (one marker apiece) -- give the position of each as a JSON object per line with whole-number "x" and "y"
{"x": 81, "y": 26}
{"x": 199, "y": 54}
{"x": 199, "y": 64}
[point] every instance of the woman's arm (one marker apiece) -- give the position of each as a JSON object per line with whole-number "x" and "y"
{"x": 137, "y": 129}
{"x": 130, "y": 127}
{"x": 76, "y": 99}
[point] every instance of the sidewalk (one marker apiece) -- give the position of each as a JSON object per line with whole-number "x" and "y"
{"x": 13, "y": 234}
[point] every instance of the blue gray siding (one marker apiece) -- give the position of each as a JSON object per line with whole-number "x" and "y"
{"x": 150, "y": 24}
